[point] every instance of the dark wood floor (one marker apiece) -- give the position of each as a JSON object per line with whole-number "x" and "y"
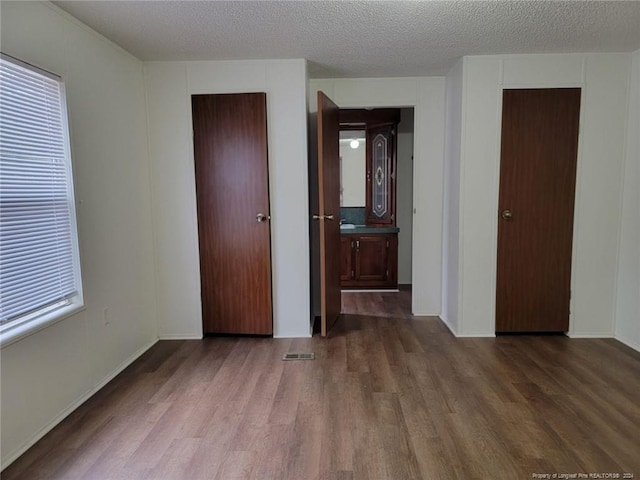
{"x": 389, "y": 396}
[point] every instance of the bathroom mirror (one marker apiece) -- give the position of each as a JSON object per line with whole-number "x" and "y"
{"x": 353, "y": 168}
{"x": 368, "y": 162}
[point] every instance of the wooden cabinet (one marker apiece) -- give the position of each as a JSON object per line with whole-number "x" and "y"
{"x": 381, "y": 175}
{"x": 369, "y": 261}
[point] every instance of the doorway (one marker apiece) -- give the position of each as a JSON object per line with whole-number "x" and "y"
{"x": 538, "y": 160}
{"x": 385, "y": 245}
{"x": 405, "y": 213}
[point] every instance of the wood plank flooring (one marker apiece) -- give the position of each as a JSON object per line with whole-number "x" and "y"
{"x": 389, "y": 396}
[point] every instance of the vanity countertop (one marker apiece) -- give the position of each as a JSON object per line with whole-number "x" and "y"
{"x": 368, "y": 230}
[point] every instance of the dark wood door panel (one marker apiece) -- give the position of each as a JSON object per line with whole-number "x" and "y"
{"x": 372, "y": 258}
{"x": 381, "y": 175}
{"x": 329, "y": 206}
{"x": 536, "y": 206}
{"x": 374, "y": 261}
{"x": 231, "y": 169}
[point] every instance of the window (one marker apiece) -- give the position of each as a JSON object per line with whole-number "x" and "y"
{"x": 39, "y": 266}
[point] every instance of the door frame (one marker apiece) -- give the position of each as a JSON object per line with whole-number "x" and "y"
{"x": 426, "y": 95}
{"x": 386, "y": 117}
{"x": 578, "y": 192}
{"x": 414, "y": 268}
{"x": 315, "y": 269}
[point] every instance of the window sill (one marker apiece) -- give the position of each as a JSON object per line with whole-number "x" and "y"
{"x": 14, "y": 334}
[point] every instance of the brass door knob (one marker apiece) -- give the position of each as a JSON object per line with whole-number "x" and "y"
{"x": 506, "y": 214}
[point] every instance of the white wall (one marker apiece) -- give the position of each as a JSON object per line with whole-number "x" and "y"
{"x": 427, "y": 96}
{"x": 46, "y": 375}
{"x": 169, "y": 89}
{"x": 451, "y": 280}
{"x": 604, "y": 80}
{"x": 628, "y": 285}
{"x": 404, "y": 194}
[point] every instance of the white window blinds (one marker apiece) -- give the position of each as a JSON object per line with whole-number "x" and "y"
{"x": 38, "y": 252}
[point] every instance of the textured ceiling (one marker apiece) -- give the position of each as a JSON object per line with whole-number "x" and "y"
{"x": 360, "y": 38}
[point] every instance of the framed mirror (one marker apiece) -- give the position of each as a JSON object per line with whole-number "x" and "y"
{"x": 368, "y": 162}
{"x": 353, "y": 168}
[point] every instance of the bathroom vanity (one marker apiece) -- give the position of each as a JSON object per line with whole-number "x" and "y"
{"x": 369, "y": 258}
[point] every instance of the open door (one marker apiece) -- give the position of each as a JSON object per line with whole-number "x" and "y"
{"x": 329, "y": 211}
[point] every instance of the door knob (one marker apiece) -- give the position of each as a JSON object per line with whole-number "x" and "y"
{"x": 323, "y": 217}
{"x": 261, "y": 217}
{"x": 506, "y": 214}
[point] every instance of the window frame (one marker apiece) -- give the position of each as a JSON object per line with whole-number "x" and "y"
{"x": 49, "y": 314}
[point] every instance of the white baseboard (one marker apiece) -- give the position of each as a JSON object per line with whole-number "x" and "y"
{"x": 200, "y": 337}
{"x": 590, "y": 335}
{"x": 293, "y": 336}
{"x": 476, "y": 335}
{"x": 629, "y": 343}
{"x": 465, "y": 335}
{"x": 372, "y": 290}
{"x": 13, "y": 456}
{"x": 448, "y": 325}
{"x": 186, "y": 336}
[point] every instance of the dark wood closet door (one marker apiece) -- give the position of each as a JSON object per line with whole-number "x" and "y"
{"x": 536, "y": 204}
{"x": 372, "y": 261}
{"x": 232, "y": 189}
